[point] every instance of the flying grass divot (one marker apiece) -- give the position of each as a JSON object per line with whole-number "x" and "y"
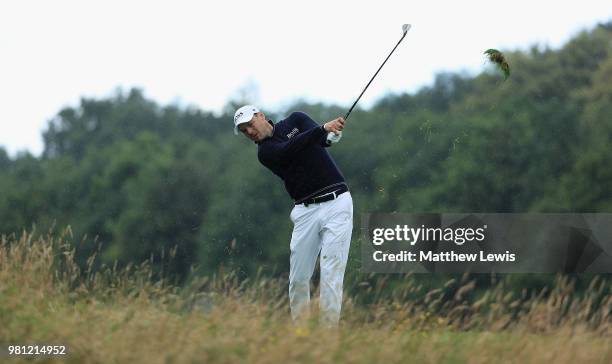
{"x": 496, "y": 57}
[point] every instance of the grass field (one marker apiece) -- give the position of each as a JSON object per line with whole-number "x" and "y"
{"x": 124, "y": 316}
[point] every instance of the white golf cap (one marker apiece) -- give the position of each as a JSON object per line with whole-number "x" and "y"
{"x": 244, "y": 115}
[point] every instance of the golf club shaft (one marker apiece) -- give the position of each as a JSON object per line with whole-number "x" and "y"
{"x": 379, "y": 68}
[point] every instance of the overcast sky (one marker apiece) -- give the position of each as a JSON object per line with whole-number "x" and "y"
{"x": 203, "y": 53}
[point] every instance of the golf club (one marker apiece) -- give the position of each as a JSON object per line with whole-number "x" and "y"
{"x": 331, "y": 137}
{"x": 405, "y": 29}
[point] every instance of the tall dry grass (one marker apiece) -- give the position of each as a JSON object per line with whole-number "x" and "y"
{"x": 112, "y": 315}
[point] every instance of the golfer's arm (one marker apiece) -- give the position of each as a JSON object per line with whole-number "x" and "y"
{"x": 307, "y": 123}
{"x": 285, "y": 151}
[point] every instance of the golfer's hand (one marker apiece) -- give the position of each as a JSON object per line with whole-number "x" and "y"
{"x": 335, "y": 126}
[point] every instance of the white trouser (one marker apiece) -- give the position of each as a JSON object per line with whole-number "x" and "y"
{"x": 324, "y": 227}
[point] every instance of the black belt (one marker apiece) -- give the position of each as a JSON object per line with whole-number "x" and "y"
{"x": 325, "y": 197}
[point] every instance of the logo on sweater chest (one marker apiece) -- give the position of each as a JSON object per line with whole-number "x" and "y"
{"x": 293, "y": 133}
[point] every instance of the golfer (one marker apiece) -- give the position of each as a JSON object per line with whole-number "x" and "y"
{"x": 294, "y": 150}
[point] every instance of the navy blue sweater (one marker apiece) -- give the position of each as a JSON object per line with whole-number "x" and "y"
{"x": 296, "y": 153}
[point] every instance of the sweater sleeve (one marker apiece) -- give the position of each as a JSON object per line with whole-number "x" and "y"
{"x": 306, "y": 123}
{"x": 283, "y": 152}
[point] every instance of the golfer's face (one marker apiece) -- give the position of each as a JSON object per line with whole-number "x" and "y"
{"x": 254, "y": 129}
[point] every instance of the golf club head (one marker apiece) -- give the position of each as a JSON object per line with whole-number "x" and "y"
{"x": 405, "y": 28}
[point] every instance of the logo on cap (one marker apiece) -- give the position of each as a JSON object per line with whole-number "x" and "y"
{"x": 237, "y": 116}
